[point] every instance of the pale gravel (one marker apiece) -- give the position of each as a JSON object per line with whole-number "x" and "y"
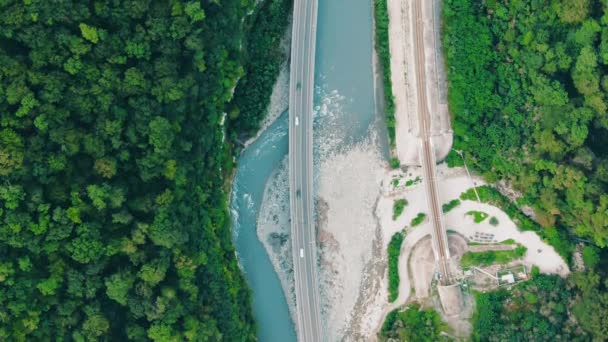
{"x": 350, "y": 184}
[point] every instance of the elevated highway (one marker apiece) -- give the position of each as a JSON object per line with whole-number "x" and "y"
{"x": 301, "y": 201}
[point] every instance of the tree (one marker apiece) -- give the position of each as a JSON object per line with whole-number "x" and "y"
{"x": 113, "y": 167}
{"x": 161, "y": 135}
{"x": 118, "y": 286}
{"x": 573, "y": 11}
{"x": 585, "y": 76}
{"x": 154, "y": 272}
{"x": 590, "y": 257}
{"x": 89, "y": 33}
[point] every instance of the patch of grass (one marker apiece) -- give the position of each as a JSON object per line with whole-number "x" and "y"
{"x": 394, "y": 249}
{"x": 554, "y": 237}
{"x": 418, "y": 219}
{"x": 505, "y": 242}
{"x": 415, "y": 181}
{"x": 450, "y": 205}
{"x": 494, "y": 221}
{"x": 478, "y": 216}
{"x": 487, "y": 258}
{"x": 398, "y": 207}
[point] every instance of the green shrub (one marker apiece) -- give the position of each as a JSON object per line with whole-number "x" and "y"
{"x": 450, "y": 205}
{"x": 394, "y": 249}
{"x": 395, "y": 163}
{"x": 478, "y": 216}
{"x": 535, "y": 271}
{"x": 398, "y": 207}
{"x": 411, "y": 182}
{"x": 494, "y": 221}
{"x": 418, "y": 219}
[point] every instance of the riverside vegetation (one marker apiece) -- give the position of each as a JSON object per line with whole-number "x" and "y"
{"x": 394, "y": 249}
{"x": 113, "y": 166}
{"x": 527, "y": 93}
{"x": 384, "y": 55}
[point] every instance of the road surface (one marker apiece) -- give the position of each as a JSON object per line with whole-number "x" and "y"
{"x": 301, "y": 199}
{"x": 427, "y": 154}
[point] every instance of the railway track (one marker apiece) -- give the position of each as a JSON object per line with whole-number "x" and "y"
{"x": 440, "y": 244}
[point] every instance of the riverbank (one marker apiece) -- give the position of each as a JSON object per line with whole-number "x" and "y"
{"x": 272, "y": 222}
{"x": 263, "y": 98}
{"x": 279, "y": 98}
{"x": 274, "y": 230}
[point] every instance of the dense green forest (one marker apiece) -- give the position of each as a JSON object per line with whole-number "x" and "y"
{"x": 537, "y": 310}
{"x": 113, "y": 170}
{"x": 527, "y": 93}
{"x": 264, "y": 59}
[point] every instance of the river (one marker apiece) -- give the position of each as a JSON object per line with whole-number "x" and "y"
{"x": 344, "y": 102}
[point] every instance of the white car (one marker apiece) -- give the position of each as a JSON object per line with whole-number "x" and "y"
{"x": 301, "y": 252}
{"x": 297, "y": 121}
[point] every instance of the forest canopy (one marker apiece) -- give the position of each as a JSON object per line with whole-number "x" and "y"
{"x": 527, "y": 92}
{"x": 113, "y": 167}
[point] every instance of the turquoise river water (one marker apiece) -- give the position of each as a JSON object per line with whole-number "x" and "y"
{"x": 344, "y": 92}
